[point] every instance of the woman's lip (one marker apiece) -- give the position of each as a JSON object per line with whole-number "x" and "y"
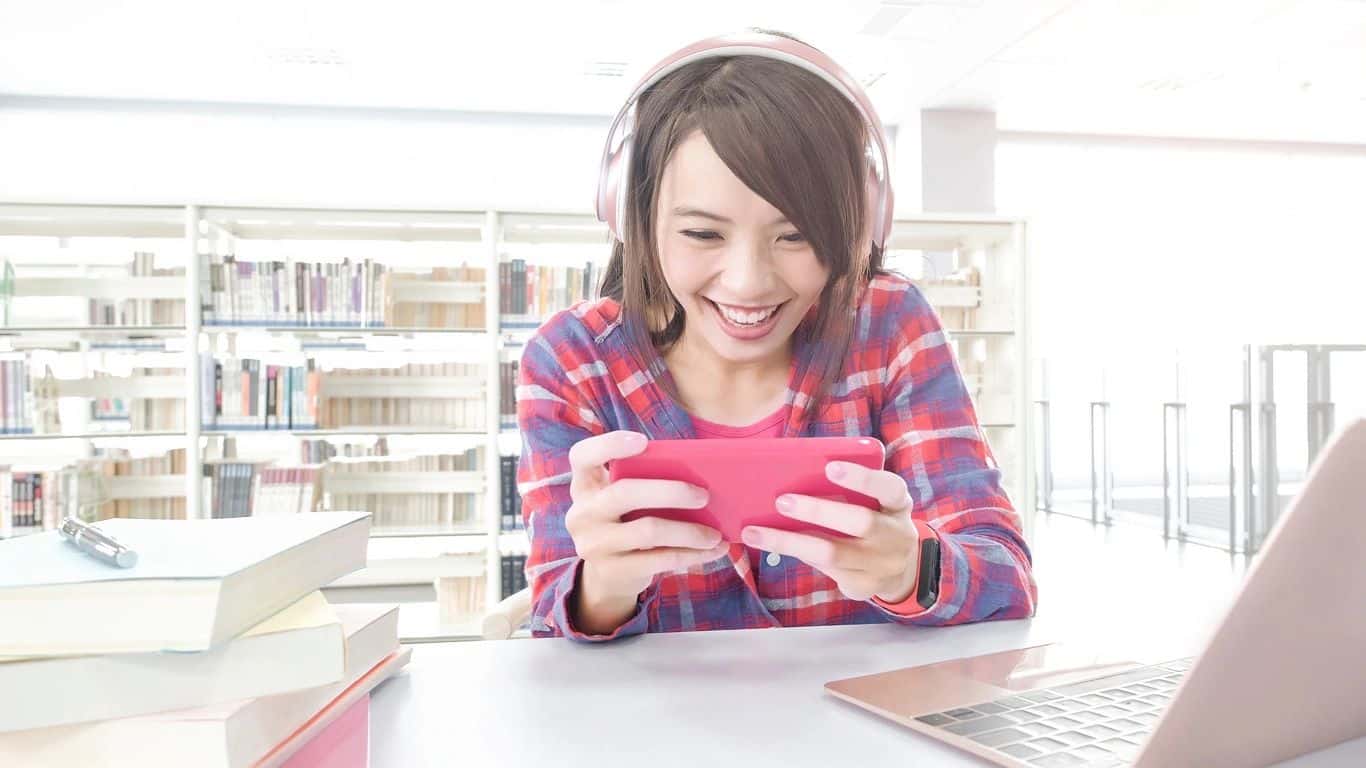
{"x": 742, "y": 308}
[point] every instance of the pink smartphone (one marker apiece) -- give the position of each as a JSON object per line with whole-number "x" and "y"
{"x": 744, "y": 476}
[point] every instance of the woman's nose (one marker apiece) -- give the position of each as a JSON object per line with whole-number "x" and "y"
{"x": 748, "y": 271}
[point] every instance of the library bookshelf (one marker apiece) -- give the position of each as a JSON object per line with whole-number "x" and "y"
{"x": 388, "y": 340}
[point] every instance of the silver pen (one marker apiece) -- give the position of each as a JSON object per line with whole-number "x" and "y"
{"x": 97, "y": 543}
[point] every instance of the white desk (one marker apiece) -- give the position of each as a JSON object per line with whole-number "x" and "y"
{"x": 749, "y": 697}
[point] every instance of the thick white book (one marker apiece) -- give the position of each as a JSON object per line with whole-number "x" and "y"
{"x": 196, "y": 584}
{"x": 43, "y": 691}
{"x": 232, "y": 735}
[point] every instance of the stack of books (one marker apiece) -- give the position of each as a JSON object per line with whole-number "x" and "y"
{"x": 118, "y": 312}
{"x": 529, "y": 293}
{"x": 16, "y": 398}
{"x": 510, "y": 510}
{"x": 215, "y": 649}
{"x": 423, "y": 492}
{"x": 248, "y": 394}
{"x": 289, "y": 292}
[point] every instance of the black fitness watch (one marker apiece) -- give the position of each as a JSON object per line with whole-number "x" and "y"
{"x": 927, "y": 581}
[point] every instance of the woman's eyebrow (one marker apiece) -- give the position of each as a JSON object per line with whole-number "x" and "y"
{"x": 687, "y": 211}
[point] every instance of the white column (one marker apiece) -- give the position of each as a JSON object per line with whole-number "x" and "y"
{"x": 492, "y": 416}
{"x": 193, "y": 464}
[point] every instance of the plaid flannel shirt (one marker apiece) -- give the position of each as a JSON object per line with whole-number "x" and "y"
{"x": 901, "y": 384}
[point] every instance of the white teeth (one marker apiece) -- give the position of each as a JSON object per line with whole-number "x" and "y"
{"x": 746, "y": 318}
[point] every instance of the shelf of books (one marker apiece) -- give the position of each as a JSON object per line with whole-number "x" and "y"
{"x": 340, "y": 360}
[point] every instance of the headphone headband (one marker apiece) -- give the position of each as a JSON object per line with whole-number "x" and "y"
{"x": 614, "y": 171}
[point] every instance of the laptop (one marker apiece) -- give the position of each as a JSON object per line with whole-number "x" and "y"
{"x": 1282, "y": 675}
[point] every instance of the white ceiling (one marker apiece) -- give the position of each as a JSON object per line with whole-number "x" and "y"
{"x": 1257, "y": 69}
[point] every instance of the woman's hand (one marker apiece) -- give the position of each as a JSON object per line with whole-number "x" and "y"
{"x": 882, "y": 557}
{"x": 621, "y": 559}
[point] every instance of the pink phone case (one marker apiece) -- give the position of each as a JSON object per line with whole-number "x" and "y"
{"x": 744, "y": 476}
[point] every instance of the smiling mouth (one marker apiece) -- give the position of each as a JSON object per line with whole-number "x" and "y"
{"x": 746, "y": 317}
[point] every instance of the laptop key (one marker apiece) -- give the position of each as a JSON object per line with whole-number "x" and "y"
{"x": 999, "y": 737}
{"x": 1122, "y": 747}
{"x": 989, "y": 708}
{"x": 1047, "y": 744}
{"x": 1060, "y": 760}
{"x": 935, "y": 719}
{"x": 962, "y": 714}
{"x": 1125, "y": 725}
{"x": 1099, "y": 731}
{"x": 1062, "y": 722}
{"x": 1039, "y": 697}
{"x": 1022, "y": 751}
{"x": 1072, "y": 738}
{"x": 1110, "y": 711}
{"x": 1086, "y": 716}
{"x": 1037, "y": 729}
{"x": 1096, "y": 757}
{"x": 978, "y": 725}
{"x": 1013, "y": 702}
{"x": 1094, "y": 700}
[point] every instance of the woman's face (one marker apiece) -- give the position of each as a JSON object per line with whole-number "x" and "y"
{"x": 744, "y": 275}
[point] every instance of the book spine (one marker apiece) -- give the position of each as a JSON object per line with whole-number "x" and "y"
{"x": 506, "y": 564}
{"x": 504, "y": 462}
{"x": 6, "y": 503}
{"x": 270, "y": 420}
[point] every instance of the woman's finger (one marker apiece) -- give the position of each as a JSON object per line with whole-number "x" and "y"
{"x": 655, "y": 532}
{"x": 588, "y": 456}
{"x": 647, "y": 562}
{"x": 632, "y": 493}
{"x": 888, "y": 488}
{"x": 835, "y": 515}
{"x": 826, "y": 555}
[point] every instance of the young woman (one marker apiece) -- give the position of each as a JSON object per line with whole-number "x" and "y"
{"x": 745, "y": 297}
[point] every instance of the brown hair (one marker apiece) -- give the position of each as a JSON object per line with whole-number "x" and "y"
{"x": 798, "y": 143}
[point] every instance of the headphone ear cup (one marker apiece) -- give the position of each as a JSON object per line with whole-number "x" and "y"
{"x": 876, "y": 206}
{"x": 618, "y": 187}
{"x": 607, "y": 205}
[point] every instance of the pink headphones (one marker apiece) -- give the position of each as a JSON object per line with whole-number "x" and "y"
{"x": 616, "y": 155}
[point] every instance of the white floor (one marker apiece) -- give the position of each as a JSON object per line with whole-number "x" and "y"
{"x": 1125, "y": 583}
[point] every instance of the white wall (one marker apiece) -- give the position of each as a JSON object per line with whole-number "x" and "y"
{"x": 1141, "y": 247}
{"x": 56, "y": 150}
{"x": 97, "y": 151}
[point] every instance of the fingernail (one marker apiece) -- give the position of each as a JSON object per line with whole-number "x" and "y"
{"x": 751, "y": 538}
{"x": 834, "y": 470}
{"x": 784, "y": 504}
{"x": 700, "y": 494}
{"x": 634, "y": 440}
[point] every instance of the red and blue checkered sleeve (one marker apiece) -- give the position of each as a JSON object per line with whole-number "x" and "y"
{"x": 935, "y": 443}
{"x": 552, "y": 415}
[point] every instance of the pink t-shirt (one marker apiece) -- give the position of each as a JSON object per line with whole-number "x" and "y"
{"x": 769, "y": 426}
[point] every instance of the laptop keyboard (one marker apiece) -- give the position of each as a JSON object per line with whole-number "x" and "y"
{"x": 1098, "y": 723}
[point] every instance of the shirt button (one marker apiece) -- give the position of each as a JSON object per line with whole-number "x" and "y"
{"x": 773, "y": 559}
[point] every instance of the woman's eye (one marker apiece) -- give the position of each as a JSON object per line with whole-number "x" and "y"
{"x": 707, "y": 234}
